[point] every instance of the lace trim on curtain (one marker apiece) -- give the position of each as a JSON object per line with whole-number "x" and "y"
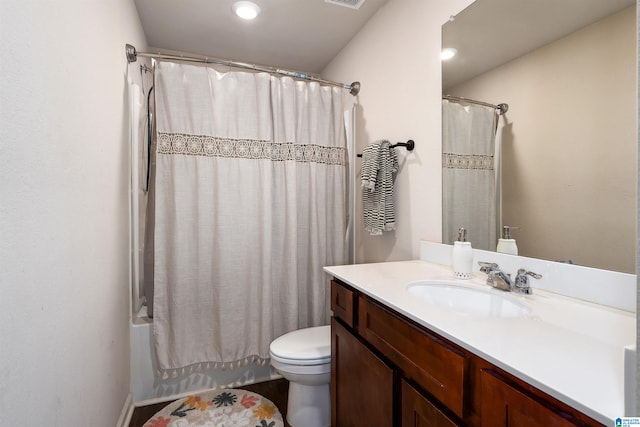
{"x": 467, "y": 161}
{"x": 165, "y": 374}
{"x": 210, "y": 146}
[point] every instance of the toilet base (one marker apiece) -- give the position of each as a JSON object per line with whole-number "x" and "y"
{"x": 308, "y": 405}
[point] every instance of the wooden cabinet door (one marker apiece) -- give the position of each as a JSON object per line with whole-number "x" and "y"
{"x": 417, "y": 411}
{"x": 361, "y": 383}
{"x": 503, "y": 405}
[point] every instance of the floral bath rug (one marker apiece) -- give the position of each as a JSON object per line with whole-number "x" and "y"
{"x": 219, "y": 408}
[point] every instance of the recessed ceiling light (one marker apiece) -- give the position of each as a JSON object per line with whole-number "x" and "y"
{"x": 448, "y": 53}
{"x": 246, "y": 9}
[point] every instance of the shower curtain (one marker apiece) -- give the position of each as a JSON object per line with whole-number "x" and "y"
{"x": 471, "y": 174}
{"x": 250, "y": 204}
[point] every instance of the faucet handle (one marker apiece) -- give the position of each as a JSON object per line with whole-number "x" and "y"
{"x": 522, "y": 281}
{"x": 487, "y": 267}
{"x": 522, "y": 274}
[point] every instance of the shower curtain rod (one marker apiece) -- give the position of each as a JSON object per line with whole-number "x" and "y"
{"x": 502, "y": 108}
{"x": 132, "y": 56}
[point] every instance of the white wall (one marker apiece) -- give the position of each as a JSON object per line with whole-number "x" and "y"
{"x": 569, "y": 152}
{"x": 396, "y": 57}
{"x": 64, "y": 245}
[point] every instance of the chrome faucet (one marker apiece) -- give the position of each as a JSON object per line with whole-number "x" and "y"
{"x": 496, "y": 277}
{"x": 501, "y": 280}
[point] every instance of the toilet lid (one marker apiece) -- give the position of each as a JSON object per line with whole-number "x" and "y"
{"x": 309, "y": 346}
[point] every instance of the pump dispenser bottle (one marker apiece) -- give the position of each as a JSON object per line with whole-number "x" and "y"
{"x": 506, "y": 244}
{"x": 462, "y": 256}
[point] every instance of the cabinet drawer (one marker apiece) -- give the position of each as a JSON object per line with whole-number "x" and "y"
{"x": 342, "y": 302}
{"x": 439, "y": 368}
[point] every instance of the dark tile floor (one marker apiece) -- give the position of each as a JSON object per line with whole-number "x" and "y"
{"x": 276, "y": 391}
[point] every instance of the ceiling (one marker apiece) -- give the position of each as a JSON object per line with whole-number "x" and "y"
{"x": 301, "y": 35}
{"x": 490, "y": 33}
{"x": 305, "y": 35}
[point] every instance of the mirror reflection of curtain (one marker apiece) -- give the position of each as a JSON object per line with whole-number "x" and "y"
{"x": 250, "y": 192}
{"x": 470, "y": 181}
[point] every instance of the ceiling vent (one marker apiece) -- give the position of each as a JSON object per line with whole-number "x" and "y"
{"x": 353, "y": 4}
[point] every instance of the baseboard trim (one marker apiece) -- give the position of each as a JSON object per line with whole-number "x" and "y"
{"x": 127, "y": 412}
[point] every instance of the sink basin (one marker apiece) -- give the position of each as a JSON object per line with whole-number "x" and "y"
{"x": 463, "y": 299}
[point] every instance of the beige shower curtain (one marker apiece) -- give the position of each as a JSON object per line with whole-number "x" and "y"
{"x": 250, "y": 191}
{"x": 470, "y": 174}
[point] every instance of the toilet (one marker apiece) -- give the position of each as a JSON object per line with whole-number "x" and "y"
{"x": 303, "y": 357}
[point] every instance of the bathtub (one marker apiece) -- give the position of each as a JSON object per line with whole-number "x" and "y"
{"x": 147, "y": 388}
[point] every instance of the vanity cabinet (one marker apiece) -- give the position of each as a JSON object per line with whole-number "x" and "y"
{"x": 387, "y": 370}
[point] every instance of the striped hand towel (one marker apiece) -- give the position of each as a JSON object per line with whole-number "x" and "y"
{"x": 379, "y": 164}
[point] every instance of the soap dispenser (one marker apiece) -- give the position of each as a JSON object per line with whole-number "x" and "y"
{"x": 506, "y": 244}
{"x": 462, "y": 256}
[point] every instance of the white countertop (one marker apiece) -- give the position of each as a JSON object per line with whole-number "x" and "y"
{"x": 571, "y": 349}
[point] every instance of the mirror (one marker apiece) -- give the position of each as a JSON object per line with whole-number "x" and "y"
{"x": 569, "y": 143}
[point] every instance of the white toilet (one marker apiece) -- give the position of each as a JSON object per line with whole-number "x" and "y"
{"x": 304, "y": 358}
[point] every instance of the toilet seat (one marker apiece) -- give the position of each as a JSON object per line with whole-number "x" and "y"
{"x": 309, "y": 346}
